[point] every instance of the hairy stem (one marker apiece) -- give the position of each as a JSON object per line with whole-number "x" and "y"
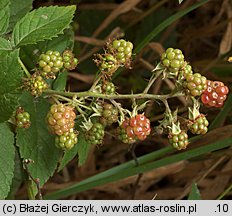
{"x": 152, "y": 80}
{"x": 24, "y": 68}
{"x": 118, "y": 96}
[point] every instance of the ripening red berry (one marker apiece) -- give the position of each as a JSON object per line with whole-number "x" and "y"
{"x": 135, "y": 128}
{"x": 215, "y": 94}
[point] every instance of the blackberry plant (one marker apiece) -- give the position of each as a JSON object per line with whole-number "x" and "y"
{"x": 36, "y": 55}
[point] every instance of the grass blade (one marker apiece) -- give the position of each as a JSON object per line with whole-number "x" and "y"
{"x": 166, "y": 23}
{"x": 79, "y": 187}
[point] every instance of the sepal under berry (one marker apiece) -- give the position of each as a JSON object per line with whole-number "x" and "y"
{"x": 22, "y": 118}
{"x": 67, "y": 141}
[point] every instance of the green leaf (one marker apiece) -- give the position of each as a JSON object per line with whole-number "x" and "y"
{"x": 30, "y": 53}
{"x": 36, "y": 142}
{"x": 195, "y": 193}
{"x": 42, "y": 24}
{"x": 68, "y": 156}
{"x": 221, "y": 117}
{"x": 18, "y": 177}
{"x": 8, "y": 104}
{"x": 4, "y": 15}
{"x": 7, "y": 155}
{"x": 124, "y": 173}
{"x": 18, "y": 9}
{"x": 60, "y": 82}
{"x": 5, "y": 44}
{"x": 10, "y": 71}
{"x": 83, "y": 148}
{"x": 11, "y": 80}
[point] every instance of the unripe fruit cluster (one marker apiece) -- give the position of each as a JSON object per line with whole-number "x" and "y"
{"x": 109, "y": 114}
{"x": 199, "y": 125}
{"x": 195, "y": 84}
{"x": 108, "y": 64}
{"x": 108, "y": 88}
{"x": 173, "y": 60}
{"x": 61, "y": 118}
{"x": 67, "y": 140}
{"x": 215, "y": 94}
{"x": 22, "y": 118}
{"x": 50, "y": 62}
{"x": 95, "y": 135}
{"x": 36, "y": 84}
{"x": 179, "y": 140}
{"x": 123, "y": 50}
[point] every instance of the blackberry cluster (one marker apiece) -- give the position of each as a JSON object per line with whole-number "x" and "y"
{"x": 61, "y": 118}
{"x": 95, "y": 135}
{"x": 136, "y": 128}
{"x": 199, "y": 125}
{"x": 50, "y": 63}
{"x": 109, "y": 114}
{"x": 179, "y": 140}
{"x": 36, "y": 84}
{"x": 173, "y": 60}
{"x": 215, "y": 94}
{"x": 195, "y": 84}
{"x": 70, "y": 62}
{"x": 108, "y": 88}
{"x": 123, "y": 50}
{"x": 66, "y": 141}
{"x": 22, "y": 118}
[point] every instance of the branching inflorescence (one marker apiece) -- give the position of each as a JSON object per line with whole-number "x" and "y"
{"x": 98, "y": 107}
